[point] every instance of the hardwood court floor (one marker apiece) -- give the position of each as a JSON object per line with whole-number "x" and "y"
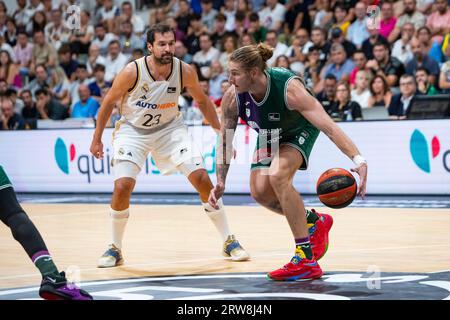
{"x": 180, "y": 240}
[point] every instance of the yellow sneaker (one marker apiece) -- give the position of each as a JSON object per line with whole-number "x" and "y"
{"x": 233, "y": 249}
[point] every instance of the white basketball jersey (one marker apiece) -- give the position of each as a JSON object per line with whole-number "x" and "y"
{"x": 152, "y": 103}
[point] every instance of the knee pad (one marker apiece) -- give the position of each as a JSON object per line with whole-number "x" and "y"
{"x": 8, "y": 204}
{"x": 125, "y": 169}
{"x": 188, "y": 167}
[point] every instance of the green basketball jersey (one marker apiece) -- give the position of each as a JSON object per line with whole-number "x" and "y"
{"x": 272, "y": 114}
{"x": 4, "y": 181}
{"x": 274, "y": 121}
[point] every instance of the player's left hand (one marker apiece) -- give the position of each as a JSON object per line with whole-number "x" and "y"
{"x": 361, "y": 170}
{"x": 215, "y": 194}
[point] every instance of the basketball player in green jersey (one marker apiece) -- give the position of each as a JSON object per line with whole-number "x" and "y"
{"x": 288, "y": 119}
{"x": 54, "y": 284}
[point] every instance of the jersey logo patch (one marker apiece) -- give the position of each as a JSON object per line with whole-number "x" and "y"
{"x": 247, "y": 112}
{"x": 171, "y": 89}
{"x": 145, "y": 88}
{"x": 274, "y": 117}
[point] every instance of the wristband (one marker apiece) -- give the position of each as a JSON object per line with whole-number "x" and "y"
{"x": 358, "y": 159}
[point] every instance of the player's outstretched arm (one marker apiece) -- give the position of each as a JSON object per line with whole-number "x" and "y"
{"x": 190, "y": 80}
{"x": 299, "y": 99}
{"x": 224, "y": 147}
{"x": 123, "y": 81}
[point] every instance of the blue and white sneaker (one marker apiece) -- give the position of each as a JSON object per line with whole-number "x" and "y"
{"x": 111, "y": 258}
{"x": 233, "y": 249}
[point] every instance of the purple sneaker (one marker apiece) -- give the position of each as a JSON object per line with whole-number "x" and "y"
{"x": 59, "y": 289}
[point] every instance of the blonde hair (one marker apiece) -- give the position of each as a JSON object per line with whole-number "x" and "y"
{"x": 253, "y": 56}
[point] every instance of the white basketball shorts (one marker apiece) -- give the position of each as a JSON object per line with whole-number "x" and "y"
{"x": 171, "y": 147}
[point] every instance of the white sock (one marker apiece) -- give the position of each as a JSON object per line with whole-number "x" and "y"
{"x": 119, "y": 220}
{"x": 219, "y": 218}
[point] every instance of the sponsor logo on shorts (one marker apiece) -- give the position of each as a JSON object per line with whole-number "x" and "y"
{"x": 262, "y": 155}
{"x": 253, "y": 124}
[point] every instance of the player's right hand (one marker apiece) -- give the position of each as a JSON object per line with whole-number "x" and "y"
{"x": 97, "y": 149}
{"x": 215, "y": 194}
{"x": 361, "y": 170}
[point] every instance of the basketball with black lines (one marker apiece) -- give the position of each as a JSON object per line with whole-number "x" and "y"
{"x": 336, "y": 188}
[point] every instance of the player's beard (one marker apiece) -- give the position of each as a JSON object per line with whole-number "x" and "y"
{"x": 164, "y": 59}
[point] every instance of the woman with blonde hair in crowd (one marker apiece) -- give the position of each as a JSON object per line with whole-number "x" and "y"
{"x": 345, "y": 109}
{"x": 381, "y": 95}
{"x": 322, "y": 16}
{"x": 60, "y": 86}
{"x": 361, "y": 93}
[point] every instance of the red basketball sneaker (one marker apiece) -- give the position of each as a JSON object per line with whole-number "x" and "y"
{"x": 298, "y": 269}
{"x": 319, "y": 234}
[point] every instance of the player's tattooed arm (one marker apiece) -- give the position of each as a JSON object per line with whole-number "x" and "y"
{"x": 229, "y": 123}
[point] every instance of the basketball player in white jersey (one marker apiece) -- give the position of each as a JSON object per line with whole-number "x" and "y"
{"x": 148, "y": 90}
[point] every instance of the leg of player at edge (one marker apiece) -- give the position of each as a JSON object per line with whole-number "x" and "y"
{"x": 54, "y": 285}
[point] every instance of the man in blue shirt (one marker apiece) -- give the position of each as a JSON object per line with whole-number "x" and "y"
{"x": 357, "y": 32}
{"x": 421, "y": 59}
{"x": 87, "y": 107}
{"x": 96, "y": 87}
{"x": 340, "y": 66}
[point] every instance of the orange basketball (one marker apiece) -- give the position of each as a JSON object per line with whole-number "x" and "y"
{"x": 336, "y": 188}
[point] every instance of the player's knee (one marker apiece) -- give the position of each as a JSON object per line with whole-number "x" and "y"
{"x": 278, "y": 181}
{"x": 123, "y": 187}
{"x": 259, "y": 195}
{"x": 19, "y": 224}
{"x": 9, "y": 205}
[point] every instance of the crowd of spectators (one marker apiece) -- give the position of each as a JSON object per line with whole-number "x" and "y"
{"x": 352, "y": 60}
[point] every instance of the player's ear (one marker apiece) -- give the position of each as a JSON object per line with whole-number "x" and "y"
{"x": 253, "y": 72}
{"x": 150, "y": 47}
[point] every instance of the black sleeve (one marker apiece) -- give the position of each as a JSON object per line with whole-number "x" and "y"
{"x": 392, "y": 109}
{"x": 21, "y": 122}
{"x": 356, "y": 110}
